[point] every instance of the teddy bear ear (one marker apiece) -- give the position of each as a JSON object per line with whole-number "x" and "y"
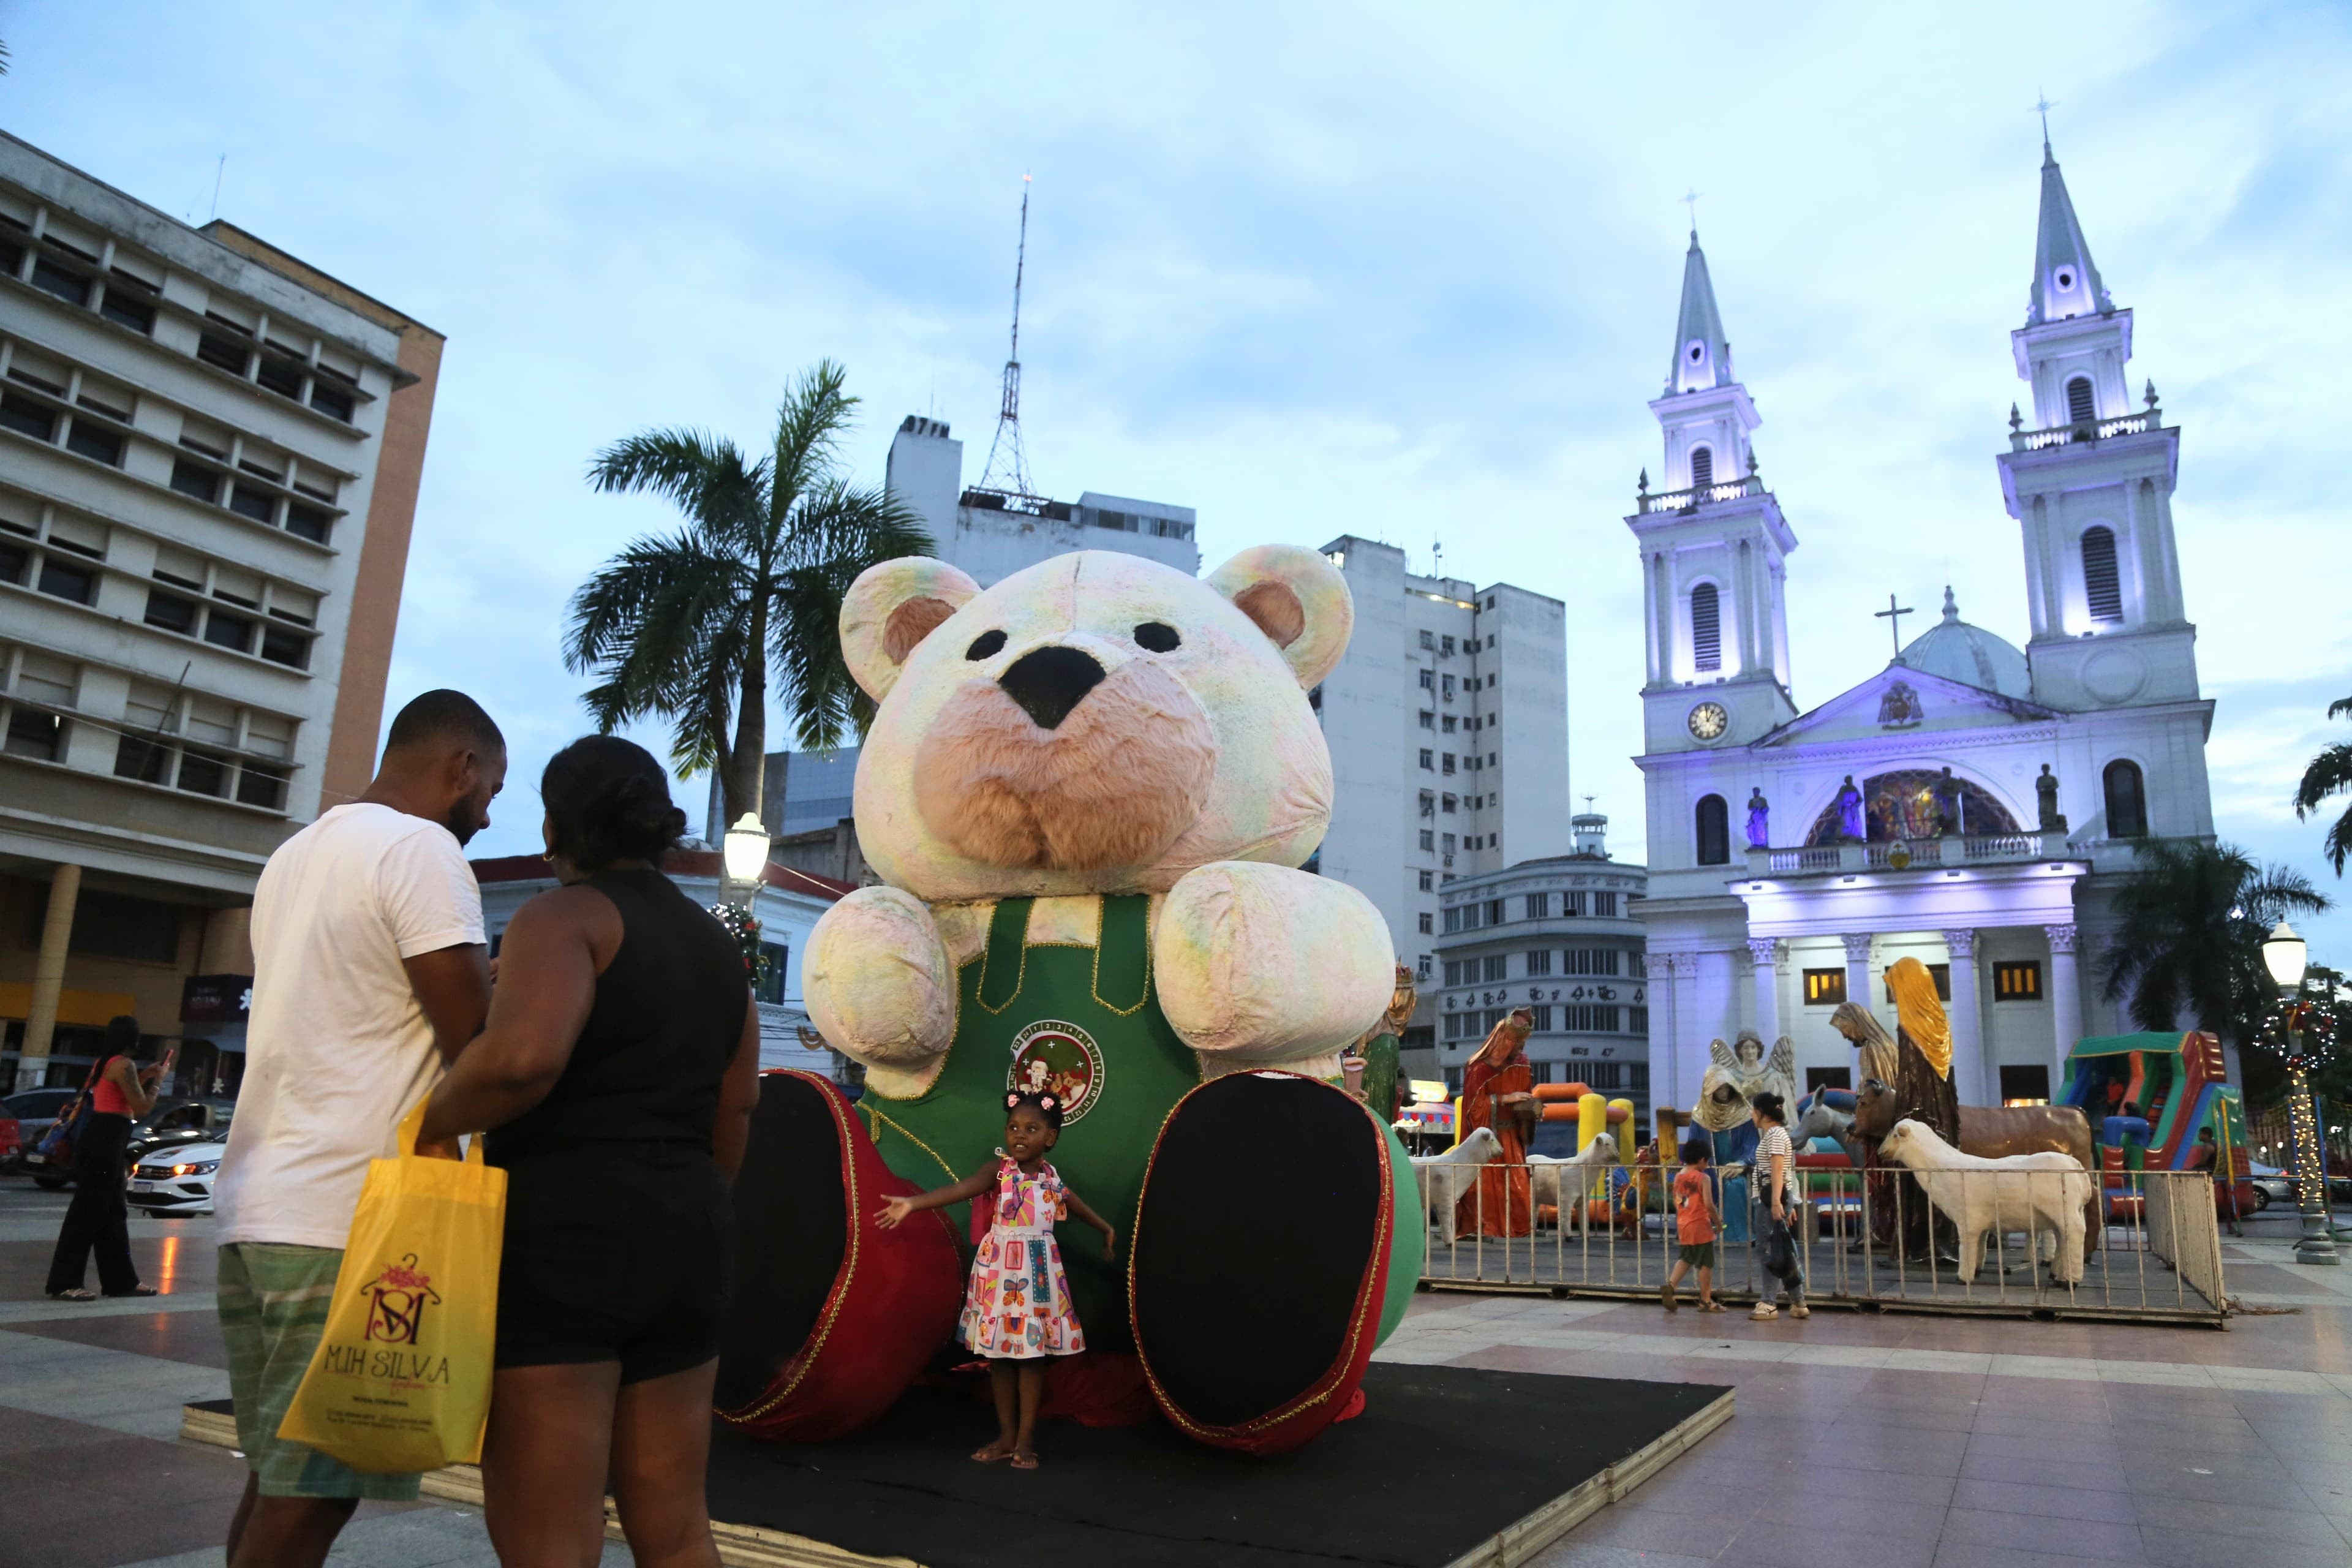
{"x": 1297, "y": 599}
{"x": 890, "y": 609}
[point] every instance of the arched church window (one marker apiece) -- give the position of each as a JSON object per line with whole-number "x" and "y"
{"x": 1714, "y": 831}
{"x": 2080, "y": 407}
{"x": 2100, "y": 584}
{"x": 2127, "y": 800}
{"x": 1701, "y": 467}
{"x": 1707, "y": 627}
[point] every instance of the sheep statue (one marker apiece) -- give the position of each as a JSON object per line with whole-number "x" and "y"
{"x": 2038, "y": 1193}
{"x": 1548, "y": 1174}
{"x": 1443, "y": 1176}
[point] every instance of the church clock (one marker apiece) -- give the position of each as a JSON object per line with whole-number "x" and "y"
{"x": 1708, "y": 720}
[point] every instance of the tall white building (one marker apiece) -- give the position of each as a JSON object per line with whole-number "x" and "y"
{"x": 1447, "y": 722}
{"x": 1970, "y": 805}
{"x": 209, "y": 459}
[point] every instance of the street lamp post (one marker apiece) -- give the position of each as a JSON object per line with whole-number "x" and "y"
{"x": 2284, "y": 955}
{"x": 744, "y": 871}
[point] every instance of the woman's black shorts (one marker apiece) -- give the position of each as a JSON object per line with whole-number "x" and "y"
{"x": 616, "y": 1252}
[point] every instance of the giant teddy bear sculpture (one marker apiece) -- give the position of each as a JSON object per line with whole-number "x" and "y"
{"x": 1087, "y": 790}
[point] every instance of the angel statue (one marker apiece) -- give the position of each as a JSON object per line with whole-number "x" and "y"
{"x": 1740, "y": 1071}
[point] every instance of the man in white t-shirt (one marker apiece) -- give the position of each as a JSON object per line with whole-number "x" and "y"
{"x": 370, "y": 974}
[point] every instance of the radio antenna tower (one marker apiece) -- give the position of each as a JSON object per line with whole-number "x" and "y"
{"x": 1007, "y": 472}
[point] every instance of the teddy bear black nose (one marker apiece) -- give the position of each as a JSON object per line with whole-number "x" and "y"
{"x": 1049, "y": 682}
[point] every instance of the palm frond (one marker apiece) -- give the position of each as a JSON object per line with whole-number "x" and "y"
{"x": 2339, "y": 708}
{"x": 808, "y": 426}
{"x": 703, "y": 475}
{"x": 838, "y": 523}
{"x": 645, "y": 581}
{"x": 2330, "y": 773}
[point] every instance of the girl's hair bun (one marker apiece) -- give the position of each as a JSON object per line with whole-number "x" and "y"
{"x": 608, "y": 800}
{"x": 1048, "y": 1106}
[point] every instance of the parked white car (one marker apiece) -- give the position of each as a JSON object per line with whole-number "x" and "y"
{"x": 176, "y": 1180}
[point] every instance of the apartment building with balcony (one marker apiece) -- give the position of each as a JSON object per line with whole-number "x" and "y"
{"x": 209, "y": 459}
{"x": 1447, "y": 721}
{"x": 1562, "y": 937}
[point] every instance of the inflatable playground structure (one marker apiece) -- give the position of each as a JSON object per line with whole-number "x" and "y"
{"x": 2146, "y": 1097}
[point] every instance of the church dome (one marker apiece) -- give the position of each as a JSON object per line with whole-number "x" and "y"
{"x": 1969, "y": 655}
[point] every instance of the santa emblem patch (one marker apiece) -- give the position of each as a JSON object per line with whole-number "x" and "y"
{"x": 1050, "y": 1056}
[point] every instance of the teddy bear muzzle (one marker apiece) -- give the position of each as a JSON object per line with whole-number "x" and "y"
{"x": 1055, "y": 766}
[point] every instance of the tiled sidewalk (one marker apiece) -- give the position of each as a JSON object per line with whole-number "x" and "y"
{"x": 1914, "y": 1442}
{"x": 1892, "y": 1441}
{"x": 93, "y": 1474}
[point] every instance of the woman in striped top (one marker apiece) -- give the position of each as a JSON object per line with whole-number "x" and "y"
{"x": 1775, "y": 1189}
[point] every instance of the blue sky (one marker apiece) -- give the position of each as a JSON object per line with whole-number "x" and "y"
{"x": 1402, "y": 271}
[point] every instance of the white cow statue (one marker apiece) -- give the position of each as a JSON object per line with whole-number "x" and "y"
{"x": 2038, "y": 1193}
{"x": 1546, "y": 1173}
{"x": 1442, "y": 1178}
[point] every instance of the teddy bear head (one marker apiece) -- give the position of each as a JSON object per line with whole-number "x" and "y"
{"x": 1097, "y": 723}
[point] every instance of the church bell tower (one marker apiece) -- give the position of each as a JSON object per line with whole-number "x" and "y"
{"x": 2089, "y": 479}
{"x": 1714, "y": 550}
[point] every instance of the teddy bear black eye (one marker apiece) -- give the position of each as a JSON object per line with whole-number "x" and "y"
{"x": 1158, "y": 638}
{"x": 985, "y": 645}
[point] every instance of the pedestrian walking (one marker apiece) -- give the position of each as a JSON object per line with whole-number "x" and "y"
{"x": 616, "y": 1080}
{"x": 1774, "y": 1191}
{"x": 119, "y": 1094}
{"x": 1697, "y": 1219}
{"x": 370, "y": 974}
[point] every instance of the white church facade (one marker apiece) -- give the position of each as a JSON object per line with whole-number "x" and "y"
{"x": 1971, "y": 805}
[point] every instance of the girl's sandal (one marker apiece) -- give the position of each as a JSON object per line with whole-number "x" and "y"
{"x": 990, "y": 1453}
{"x": 135, "y": 1290}
{"x": 76, "y": 1294}
{"x": 1025, "y": 1458}
{"x": 1710, "y": 1307}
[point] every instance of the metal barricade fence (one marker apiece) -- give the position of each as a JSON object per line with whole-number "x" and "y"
{"x": 2153, "y": 1237}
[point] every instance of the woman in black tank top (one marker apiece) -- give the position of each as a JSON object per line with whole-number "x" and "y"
{"x": 615, "y": 1077}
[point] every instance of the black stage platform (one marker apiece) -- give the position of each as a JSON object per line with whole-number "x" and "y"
{"x": 1446, "y": 1465}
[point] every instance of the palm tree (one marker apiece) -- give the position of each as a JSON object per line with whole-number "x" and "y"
{"x": 685, "y": 627}
{"x": 2330, "y": 773}
{"x": 2192, "y": 916}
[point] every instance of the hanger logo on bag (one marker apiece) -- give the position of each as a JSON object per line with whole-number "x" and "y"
{"x": 396, "y": 1301}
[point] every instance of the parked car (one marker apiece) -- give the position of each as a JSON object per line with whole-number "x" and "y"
{"x": 2270, "y": 1183}
{"x": 175, "y": 1180}
{"x": 37, "y": 1110}
{"x": 175, "y": 1122}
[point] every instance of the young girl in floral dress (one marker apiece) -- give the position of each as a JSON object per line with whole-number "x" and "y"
{"x": 1017, "y": 1311}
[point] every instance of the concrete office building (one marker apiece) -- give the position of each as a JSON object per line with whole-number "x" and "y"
{"x": 1447, "y": 721}
{"x": 1560, "y": 936}
{"x": 991, "y": 535}
{"x": 209, "y": 458}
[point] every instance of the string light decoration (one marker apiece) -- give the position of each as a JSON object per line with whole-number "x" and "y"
{"x": 744, "y": 927}
{"x": 2298, "y": 1023}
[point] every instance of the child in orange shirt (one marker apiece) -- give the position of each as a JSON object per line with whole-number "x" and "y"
{"x": 1695, "y": 1221}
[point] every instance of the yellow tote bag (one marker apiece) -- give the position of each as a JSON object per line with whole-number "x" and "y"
{"x": 401, "y": 1379}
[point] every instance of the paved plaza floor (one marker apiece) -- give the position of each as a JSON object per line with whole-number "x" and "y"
{"x": 1896, "y": 1441}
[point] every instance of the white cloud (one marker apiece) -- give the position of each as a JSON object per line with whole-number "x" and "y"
{"x": 1399, "y": 271}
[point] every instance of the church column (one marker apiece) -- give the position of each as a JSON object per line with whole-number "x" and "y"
{"x": 1688, "y": 1046}
{"x": 48, "y": 976}
{"x": 1857, "y": 972}
{"x": 1974, "y": 1078}
{"x": 1651, "y": 569}
{"x": 1761, "y": 952}
{"x": 2065, "y": 1001}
